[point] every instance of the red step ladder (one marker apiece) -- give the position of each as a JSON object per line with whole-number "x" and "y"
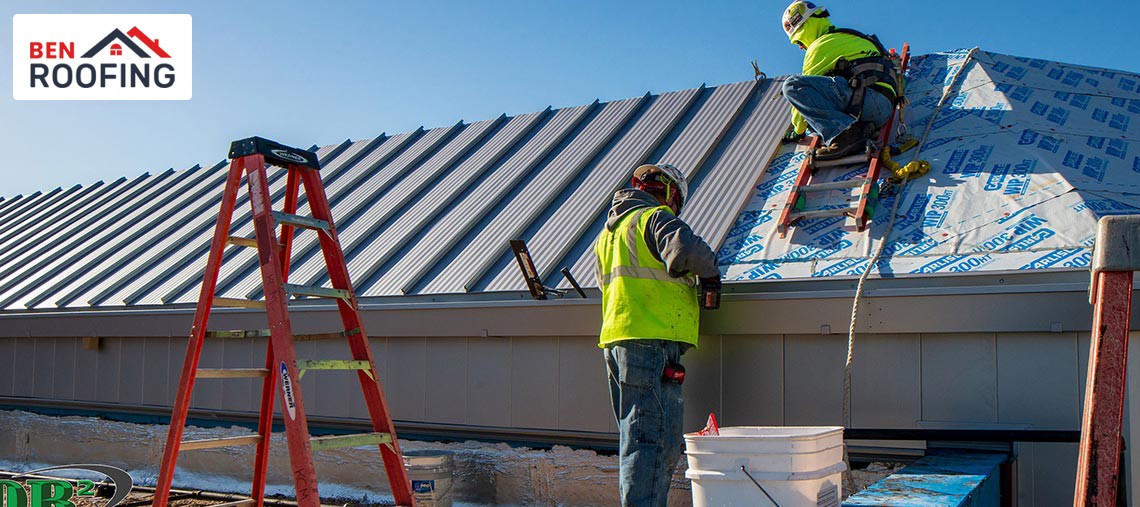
{"x": 1116, "y": 258}
{"x": 282, "y": 368}
{"x": 795, "y": 208}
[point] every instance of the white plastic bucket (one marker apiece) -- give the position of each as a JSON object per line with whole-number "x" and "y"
{"x": 796, "y": 466}
{"x": 431, "y": 473}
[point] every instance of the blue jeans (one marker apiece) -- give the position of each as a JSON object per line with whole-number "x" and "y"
{"x": 648, "y": 413}
{"x": 822, "y": 101}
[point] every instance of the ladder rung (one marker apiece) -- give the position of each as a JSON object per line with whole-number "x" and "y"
{"x": 240, "y": 241}
{"x": 238, "y": 303}
{"x": 232, "y": 372}
{"x": 320, "y": 292}
{"x": 304, "y": 365}
{"x": 834, "y": 185}
{"x": 239, "y": 333}
{"x": 861, "y": 158}
{"x": 300, "y": 221}
{"x": 213, "y": 443}
{"x": 823, "y": 213}
{"x": 264, "y": 333}
{"x": 326, "y": 336}
{"x": 330, "y": 442}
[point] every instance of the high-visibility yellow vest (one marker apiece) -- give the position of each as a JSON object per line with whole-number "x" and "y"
{"x": 639, "y": 298}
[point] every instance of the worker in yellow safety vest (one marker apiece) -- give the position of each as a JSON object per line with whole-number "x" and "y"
{"x": 649, "y": 266}
{"x": 848, "y": 87}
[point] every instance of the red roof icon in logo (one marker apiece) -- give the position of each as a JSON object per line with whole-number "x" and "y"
{"x": 125, "y": 39}
{"x": 152, "y": 44}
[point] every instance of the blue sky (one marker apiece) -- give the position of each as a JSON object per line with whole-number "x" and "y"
{"x": 310, "y": 73}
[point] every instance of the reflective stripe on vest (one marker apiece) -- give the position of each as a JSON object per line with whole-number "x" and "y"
{"x": 639, "y": 298}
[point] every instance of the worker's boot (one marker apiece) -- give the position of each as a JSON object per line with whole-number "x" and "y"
{"x": 849, "y": 142}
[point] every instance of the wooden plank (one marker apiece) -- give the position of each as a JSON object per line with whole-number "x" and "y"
{"x": 330, "y": 442}
{"x": 213, "y": 443}
{"x": 238, "y": 303}
{"x": 240, "y": 241}
{"x": 232, "y": 373}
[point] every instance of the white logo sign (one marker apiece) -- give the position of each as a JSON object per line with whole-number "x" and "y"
{"x": 102, "y": 57}
{"x": 287, "y": 392}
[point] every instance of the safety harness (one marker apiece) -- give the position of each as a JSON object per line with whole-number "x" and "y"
{"x": 861, "y": 73}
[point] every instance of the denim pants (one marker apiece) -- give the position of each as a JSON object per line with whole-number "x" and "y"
{"x": 648, "y": 413}
{"x": 822, "y": 101}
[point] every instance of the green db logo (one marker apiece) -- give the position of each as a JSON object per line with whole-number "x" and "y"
{"x": 60, "y": 492}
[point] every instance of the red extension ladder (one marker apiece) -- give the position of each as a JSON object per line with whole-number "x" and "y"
{"x": 868, "y": 190}
{"x": 282, "y": 368}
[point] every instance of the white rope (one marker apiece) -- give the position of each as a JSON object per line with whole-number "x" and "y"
{"x": 883, "y": 242}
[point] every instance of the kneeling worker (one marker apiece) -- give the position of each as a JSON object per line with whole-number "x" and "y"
{"x": 847, "y": 90}
{"x": 648, "y": 261}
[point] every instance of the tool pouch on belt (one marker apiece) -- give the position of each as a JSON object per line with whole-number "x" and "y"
{"x": 860, "y": 74}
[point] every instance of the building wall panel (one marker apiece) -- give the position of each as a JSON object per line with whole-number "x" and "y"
{"x": 886, "y": 382}
{"x": 64, "y": 364}
{"x": 405, "y": 386}
{"x": 583, "y": 390}
{"x": 813, "y": 390}
{"x": 236, "y": 394}
{"x": 87, "y": 372}
{"x": 7, "y": 367}
{"x": 703, "y": 382}
{"x": 489, "y": 386}
{"x": 959, "y": 378}
{"x": 447, "y": 365}
{"x": 534, "y": 373}
{"x": 753, "y": 380}
{"x": 22, "y": 366}
{"x": 109, "y": 373}
{"x": 43, "y": 367}
{"x": 208, "y": 393}
{"x": 1042, "y": 401}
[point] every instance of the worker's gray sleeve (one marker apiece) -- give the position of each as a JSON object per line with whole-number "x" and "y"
{"x": 672, "y": 242}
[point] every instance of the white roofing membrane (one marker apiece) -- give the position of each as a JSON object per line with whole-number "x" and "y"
{"x": 1025, "y": 156}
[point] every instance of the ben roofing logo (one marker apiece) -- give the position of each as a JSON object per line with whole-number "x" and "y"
{"x": 102, "y": 57}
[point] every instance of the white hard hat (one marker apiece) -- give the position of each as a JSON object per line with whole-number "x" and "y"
{"x": 797, "y": 14}
{"x": 669, "y": 171}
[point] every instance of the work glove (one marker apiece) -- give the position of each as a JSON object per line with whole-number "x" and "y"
{"x": 710, "y": 293}
{"x": 791, "y": 136}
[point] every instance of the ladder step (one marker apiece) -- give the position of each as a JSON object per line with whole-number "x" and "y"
{"x": 304, "y": 365}
{"x": 823, "y": 213}
{"x": 240, "y": 241}
{"x": 861, "y": 158}
{"x": 834, "y": 185}
{"x": 214, "y": 443}
{"x": 238, "y": 303}
{"x": 232, "y": 372}
{"x": 239, "y": 333}
{"x": 300, "y": 221}
{"x": 326, "y": 336}
{"x": 264, "y": 333}
{"x": 330, "y": 442}
{"x": 320, "y": 292}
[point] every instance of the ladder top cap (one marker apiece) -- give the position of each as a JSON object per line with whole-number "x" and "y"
{"x": 275, "y": 153}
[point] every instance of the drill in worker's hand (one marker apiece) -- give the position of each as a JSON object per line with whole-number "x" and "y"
{"x": 710, "y": 293}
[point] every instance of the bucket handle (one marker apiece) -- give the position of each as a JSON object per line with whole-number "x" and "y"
{"x": 762, "y": 490}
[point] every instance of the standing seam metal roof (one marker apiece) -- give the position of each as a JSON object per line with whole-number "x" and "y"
{"x": 425, "y": 212}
